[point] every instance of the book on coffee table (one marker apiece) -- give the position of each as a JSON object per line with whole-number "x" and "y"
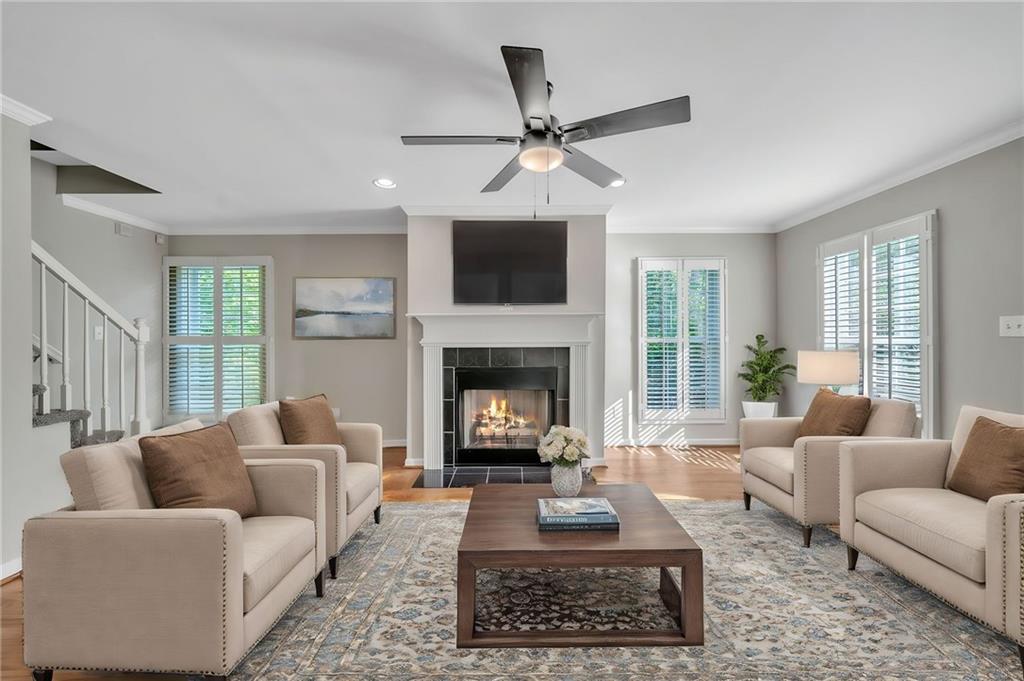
{"x": 576, "y": 513}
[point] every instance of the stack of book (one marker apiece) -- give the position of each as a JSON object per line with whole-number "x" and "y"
{"x": 583, "y": 513}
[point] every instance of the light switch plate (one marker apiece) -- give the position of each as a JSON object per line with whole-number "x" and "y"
{"x": 1011, "y": 325}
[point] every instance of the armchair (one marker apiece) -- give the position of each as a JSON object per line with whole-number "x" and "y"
{"x": 894, "y": 506}
{"x": 355, "y": 480}
{"x": 800, "y": 476}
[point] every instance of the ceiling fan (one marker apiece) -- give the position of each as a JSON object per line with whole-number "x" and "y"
{"x": 545, "y": 144}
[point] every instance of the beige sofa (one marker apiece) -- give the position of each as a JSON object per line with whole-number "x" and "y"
{"x": 355, "y": 470}
{"x": 800, "y": 476}
{"x": 894, "y": 507}
{"x": 116, "y": 584}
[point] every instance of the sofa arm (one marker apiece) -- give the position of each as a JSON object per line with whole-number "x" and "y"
{"x": 292, "y": 487}
{"x": 143, "y": 590}
{"x": 364, "y": 442}
{"x": 866, "y": 465}
{"x": 769, "y": 432}
{"x": 333, "y": 458}
{"x": 1004, "y": 562}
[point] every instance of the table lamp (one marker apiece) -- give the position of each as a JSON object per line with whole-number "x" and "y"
{"x": 828, "y": 368}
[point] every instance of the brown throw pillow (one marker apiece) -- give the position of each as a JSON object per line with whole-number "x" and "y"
{"x": 309, "y": 422}
{"x": 992, "y": 461}
{"x": 198, "y": 469}
{"x": 833, "y": 414}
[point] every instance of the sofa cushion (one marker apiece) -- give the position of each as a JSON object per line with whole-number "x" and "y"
{"x": 309, "y": 422}
{"x": 271, "y": 547}
{"x": 771, "y": 464}
{"x": 941, "y": 524}
{"x": 992, "y": 461}
{"x": 891, "y": 418}
{"x": 111, "y": 476}
{"x": 198, "y": 469}
{"x": 834, "y": 414}
{"x": 257, "y": 425}
{"x": 361, "y": 479}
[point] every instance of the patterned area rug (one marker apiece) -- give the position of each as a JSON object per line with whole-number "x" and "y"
{"x": 774, "y": 610}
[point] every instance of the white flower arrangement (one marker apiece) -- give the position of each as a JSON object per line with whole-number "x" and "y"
{"x": 564, "y": 446}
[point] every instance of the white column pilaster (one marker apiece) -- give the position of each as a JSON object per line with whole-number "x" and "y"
{"x": 433, "y": 409}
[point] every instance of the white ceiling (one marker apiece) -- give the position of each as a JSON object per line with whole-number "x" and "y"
{"x": 271, "y": 117}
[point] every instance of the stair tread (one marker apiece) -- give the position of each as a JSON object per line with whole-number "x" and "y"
{"x": 59, "y": 416}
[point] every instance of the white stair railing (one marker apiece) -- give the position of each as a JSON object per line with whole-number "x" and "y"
{"x": 136, "y": 333}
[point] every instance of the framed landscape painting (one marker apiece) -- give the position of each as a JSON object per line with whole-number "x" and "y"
{"x": 344, "y": 307}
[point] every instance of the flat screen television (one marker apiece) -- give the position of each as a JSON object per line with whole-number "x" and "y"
{"x": 509, "y": 263}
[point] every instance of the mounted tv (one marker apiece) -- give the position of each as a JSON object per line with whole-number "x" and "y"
{"x": 509, "y": 263}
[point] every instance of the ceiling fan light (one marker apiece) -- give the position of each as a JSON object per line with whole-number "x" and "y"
{"x": 618, "y": 182}
{"x": 541, "y": 159}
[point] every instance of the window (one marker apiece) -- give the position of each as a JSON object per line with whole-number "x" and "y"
{"x": 682, "y": 340}
{"x": 876, "y": 298}
{"x": 217, "y": 348}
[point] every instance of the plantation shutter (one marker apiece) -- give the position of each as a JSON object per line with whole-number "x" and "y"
{"x": 682, "y": 339}
{"x": 896, "y": 319}
{"x": 217, "y": 335}
{"x": 841, "y": 318}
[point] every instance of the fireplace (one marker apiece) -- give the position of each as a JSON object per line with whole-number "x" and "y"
{"x": 501, "y": 414}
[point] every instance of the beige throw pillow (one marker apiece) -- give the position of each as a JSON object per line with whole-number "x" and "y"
{"x": 833, "y": 414}
{"x": 992, "y": 461}
{"x": 309, "y": 422}
{"x": 198, "y": 469}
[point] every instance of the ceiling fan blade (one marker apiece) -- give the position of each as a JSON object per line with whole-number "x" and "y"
{"x": 526, "y": 71}
{"x": 595, "y": 171}
{"x": 656, "y": 115}
{"x": 503, "y": 177}
{"x": 457, "y": 139}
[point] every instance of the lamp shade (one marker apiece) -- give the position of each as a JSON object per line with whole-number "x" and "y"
{"x": 837, "y": 367}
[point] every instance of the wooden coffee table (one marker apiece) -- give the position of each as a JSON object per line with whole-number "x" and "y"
{"x": 501, "y": 532}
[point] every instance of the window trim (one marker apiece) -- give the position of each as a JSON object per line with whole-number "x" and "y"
{"x": 218, "y": 340}
{"x": 651, "y": 417}
{"x": 922, "y": 225}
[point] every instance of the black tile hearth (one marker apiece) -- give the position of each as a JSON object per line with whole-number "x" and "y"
{"x": 506, "y": 357}
{"x": 474, "y": 357}
{"x": 448, "y": 376}
{"x": 449, "y": 357}
{"x": 468, "y": 476}
{"x": 538, "y": 357}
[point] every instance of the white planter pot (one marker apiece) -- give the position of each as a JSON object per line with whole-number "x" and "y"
{"x": 566, "y": 481}
{"x": 760, "y": 409}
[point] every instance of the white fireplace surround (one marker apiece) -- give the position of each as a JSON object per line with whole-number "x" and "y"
{"x": 576, "y": 331}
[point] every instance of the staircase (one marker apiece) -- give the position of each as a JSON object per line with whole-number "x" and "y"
{"x": 129, "y": 341}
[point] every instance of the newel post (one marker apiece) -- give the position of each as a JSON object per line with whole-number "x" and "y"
{"x": 140, "y": 421}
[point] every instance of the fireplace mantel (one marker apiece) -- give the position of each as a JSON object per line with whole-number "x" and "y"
{"x": 514, "y": 328}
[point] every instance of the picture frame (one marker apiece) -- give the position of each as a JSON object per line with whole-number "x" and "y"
{"x": 343, "y": 308}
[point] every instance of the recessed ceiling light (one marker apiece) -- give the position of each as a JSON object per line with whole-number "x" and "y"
{"x": 384, "y": 183}
{"x": 618, "y": 182}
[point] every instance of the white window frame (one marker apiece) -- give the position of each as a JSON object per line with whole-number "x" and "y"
{"x": 683, "y": 416}
{"x": 921, "y": 225}
{"x": 218, "y": 340}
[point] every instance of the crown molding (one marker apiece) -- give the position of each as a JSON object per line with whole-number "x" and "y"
{"x": 640, "y": 229}
{"x": 962, "y": 152}
{"x": 22, "y": 113}
{"x": 296, "y": 230}
{"x": 504, "y": 211}
{"x": 72, "y": 201}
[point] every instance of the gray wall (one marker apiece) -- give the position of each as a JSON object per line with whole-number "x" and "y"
{"x": 20, "y": 466}
{"x": 979, "y": 244}
{"x": 364, "y": 378}
{"x": 750, "y": 309}
{"x": 124, "y": 271}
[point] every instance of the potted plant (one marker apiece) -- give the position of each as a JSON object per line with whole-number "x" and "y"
{"x": 565, "y": 448}
{"x": 764, "y": 373}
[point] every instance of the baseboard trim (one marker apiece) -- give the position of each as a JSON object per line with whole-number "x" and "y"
{"x": 393, "y": 443}
{"x": 674, "y": 442}
{"x": 413, "y": 463}
{"x": 10, "y": 570}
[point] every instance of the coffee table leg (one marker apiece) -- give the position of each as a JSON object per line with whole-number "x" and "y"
{"x": 465, "y": 581}
{"x": 671, "y": 595}
{"x": 693, "y": 601}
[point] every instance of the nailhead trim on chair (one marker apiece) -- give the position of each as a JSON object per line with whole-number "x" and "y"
{"x": 1021, "y": 604}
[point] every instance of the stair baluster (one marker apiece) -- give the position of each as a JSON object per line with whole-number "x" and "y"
{"x": 44, "y": 348}
{"x": 65, "y": 352}
{"x": 86, "y": 363}
{"x": 140, "y": 421}
{"x": 105, "y": 381}
{"x": 122, "y": 411}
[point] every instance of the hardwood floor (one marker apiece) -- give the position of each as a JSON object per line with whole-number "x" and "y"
{"x": 672, "y": 473}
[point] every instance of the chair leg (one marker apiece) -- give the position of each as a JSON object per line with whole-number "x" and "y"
{"x": 852, "y": 555}
{"x": 333, "y": 562}
{"x": 376, "y": 515}
{"x": 318, "y": 581}
{"x": 746, "y": 501}
{"x": 1020, "y": 652}
{"x": 807, "y": 537}
{"x": 42, "y": 675}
